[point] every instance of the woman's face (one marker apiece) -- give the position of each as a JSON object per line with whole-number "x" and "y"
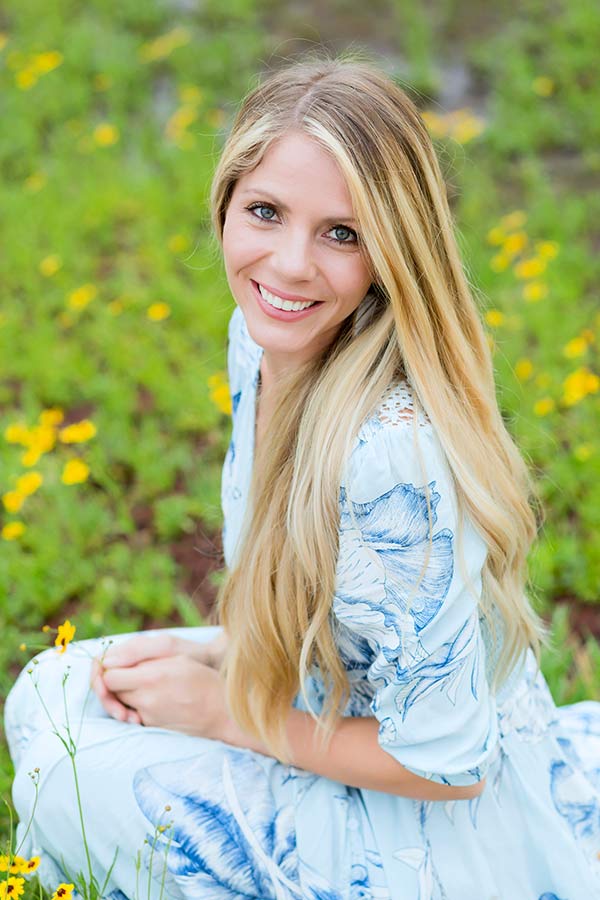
{"x": 298, "y": 239}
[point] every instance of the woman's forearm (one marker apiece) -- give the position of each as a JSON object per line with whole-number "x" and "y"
{"x": 354, "y": 757}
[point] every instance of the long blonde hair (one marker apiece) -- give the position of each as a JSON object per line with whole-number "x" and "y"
{"x": 275, "y": 602}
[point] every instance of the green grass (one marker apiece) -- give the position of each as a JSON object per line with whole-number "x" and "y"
{"x": 107, "y": 165}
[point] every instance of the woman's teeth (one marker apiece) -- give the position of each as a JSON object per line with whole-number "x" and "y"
{"x": 278, "y": 303}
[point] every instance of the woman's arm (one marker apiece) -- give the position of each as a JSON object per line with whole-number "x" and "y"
{"x": 353, "y": 757}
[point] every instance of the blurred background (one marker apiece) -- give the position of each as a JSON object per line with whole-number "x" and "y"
{"x": 115, "y": 412}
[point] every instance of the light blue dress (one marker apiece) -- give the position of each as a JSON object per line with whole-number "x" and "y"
{"x": 246, "y": 826}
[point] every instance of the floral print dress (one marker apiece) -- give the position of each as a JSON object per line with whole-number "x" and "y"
{"x": 243, "y": 825}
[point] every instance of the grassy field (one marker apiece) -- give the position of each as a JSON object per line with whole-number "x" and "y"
{"x": 114, "y": 407}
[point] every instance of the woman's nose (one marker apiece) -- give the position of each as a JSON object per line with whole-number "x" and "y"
{"x": 295, "y": 257}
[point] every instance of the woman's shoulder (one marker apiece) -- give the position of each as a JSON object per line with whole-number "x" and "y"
{"x": 394, "y": 440}
{"x": 243, "y": 353}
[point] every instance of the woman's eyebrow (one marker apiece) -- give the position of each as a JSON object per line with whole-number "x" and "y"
{"x": 330, "y": 219}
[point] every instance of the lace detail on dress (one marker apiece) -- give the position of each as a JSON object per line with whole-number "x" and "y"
{"x": 398, "y": 406}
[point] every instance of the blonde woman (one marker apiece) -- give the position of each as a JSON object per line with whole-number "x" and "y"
{"x": 368, "y": 717}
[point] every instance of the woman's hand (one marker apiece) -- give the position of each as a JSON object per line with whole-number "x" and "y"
{"x": 142, "y": 649}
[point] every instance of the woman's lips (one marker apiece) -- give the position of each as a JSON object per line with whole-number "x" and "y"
{"x": 282, "y": 314}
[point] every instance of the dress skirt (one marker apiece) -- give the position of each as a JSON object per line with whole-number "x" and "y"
{"x": 229, "y": 812}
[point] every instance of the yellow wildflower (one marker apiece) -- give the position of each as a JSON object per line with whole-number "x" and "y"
{"x": 66, "y": 633}
{"x": 523, "y": 369}
{"x": 513, "y": 220}
{"x": 31, "y": 457}
{"x": 75, "y": 471}
{"x": 583, "y": 452}
{"x": 544, "y": 406}
{"x": 494, "y": 317}
{"x": 578, "y": 385}
{"x": 26, "y": 78}
{"x": 178, "y": 243}
{"x": 105, "y": 134}
{"x": 17, "y": 433}
{"x": 435, "y": 124}
{"x": 51, "y": 416}
{"x": 31, "y": 865}
{"x": 547, "y": 249}
{"x": 35, "y": 182}
{"x": 81, "y": 296}
{"x": 63, "y": 892}
{"x": 4, "y": 862}
{"x": 222, "y": 399}
{"x": 543, "y": 86}
{"x": 514, "y": 243}
{"x": 12, "y": 888}
{"x": 78, "y": 432}
{"x": 50, "y": 265}
{"x": 164, "y": 45}
{"x": 29, "y": 483}
{"x": 22, "y": 648}
{"x": 46, "y": 629}
{"x": 499, "y": 262}
{"x": 190, "y": 94}
{"x": 534, "y": 291}
{"x": 158, "y": 311}
{"x": 496, "y": 236}
{"x": 16, "y": 865}
{"x": 12, "y": 530}
{"x": 13, "y": 500}
{"x": 179, "y": 121}
{"x": 466, "y": 126}
{"x": 529, "y": 268}
{"x": 575, "y": 347}
{"x": 45, "y": 62}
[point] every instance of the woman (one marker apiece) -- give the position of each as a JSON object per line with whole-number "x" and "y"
{"x": 368, "y": 718}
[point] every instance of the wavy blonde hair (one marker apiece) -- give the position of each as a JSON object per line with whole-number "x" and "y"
{"x": 275, "y": 603}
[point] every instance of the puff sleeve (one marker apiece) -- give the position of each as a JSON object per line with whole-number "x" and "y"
{"x": 431, "y": 697}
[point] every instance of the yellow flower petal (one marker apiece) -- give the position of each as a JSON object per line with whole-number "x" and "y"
{"x": 51, "y": 416}
{"x": 105, "y": 134}
{"x": 29, "y": 483}
{"x": 81, "y": 296}
{"x": 529, "y": 268}
{"x": 50, "y": 265}
{"x": 544, "y": 406}
{"x": 65, "y": 635}
{"x": 12, "y": 530}
{"x": 13, "y": 500}
{"x": 75, "y": 471}
{"x": 575, "y": 347}
{"x": 523, "y": 369}
{"x": 494, "y": 317}
{"x": 78, "y": 432}
{"x": 513, "y": 220}
{"x": 534, "y": 291}
{"x": 543, "y": 86}
{"x": 158, "y": 311}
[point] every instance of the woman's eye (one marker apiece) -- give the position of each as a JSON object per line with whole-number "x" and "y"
{"x": 254, "y": 206}
{"x": 346, "y": 232}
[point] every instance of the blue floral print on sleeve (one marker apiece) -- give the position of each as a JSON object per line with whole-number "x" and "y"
{"x": 432, "y": 699}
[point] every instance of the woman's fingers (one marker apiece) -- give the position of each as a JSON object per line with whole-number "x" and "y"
{"x": 111, "y": 703}
{"x": 139, "y": 648}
